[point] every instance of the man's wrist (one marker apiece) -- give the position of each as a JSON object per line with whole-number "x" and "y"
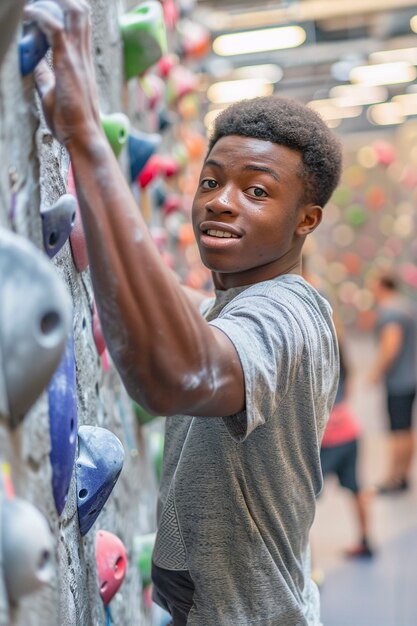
{"x": 89, "y": 143}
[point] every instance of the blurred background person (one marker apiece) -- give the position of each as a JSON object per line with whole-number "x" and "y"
{"x": 339, "y": 456}
{"x": 395, "y": 368}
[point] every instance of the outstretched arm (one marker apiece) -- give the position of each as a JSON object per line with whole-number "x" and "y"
{"x": 168, "y": 356}
{"x": 390, "y": 343}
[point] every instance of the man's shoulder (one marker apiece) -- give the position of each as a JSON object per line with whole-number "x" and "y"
{"x": 289, "y": 291}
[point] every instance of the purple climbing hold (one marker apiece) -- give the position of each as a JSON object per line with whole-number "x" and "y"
{"x": 63, "y": 425}
{"x": 57, "y": 223}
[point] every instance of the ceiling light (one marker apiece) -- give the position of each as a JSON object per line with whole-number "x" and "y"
{"x": 385, "y": 114}
{"x": 413, "y": 23}
{"x": 311, "y": 10}
{"x": 351, "y": 95}
{"x": 269, "y": 71}
{"x": 234, "y": 90}
{"x": 407, "y": 102}
{"x": 409, "y": 55}
{"x": 329, "y": 109}
{"x": 383, "y": 73}
{"x": 252, "y": 41}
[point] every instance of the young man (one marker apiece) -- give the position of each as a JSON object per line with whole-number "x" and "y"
{"x": 248, "y": 379}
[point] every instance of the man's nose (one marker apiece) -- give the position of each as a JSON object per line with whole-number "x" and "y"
{"x": 224, "y": 201}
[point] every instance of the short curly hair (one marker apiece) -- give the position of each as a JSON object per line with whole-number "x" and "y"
{"x": 293, "y": 124}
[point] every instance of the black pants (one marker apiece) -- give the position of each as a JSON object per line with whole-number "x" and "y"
{"x": 174, "y": 592}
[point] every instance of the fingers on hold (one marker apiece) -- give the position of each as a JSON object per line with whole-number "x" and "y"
{"x": 48, "y": 24}
{"x": 75, "y": 6}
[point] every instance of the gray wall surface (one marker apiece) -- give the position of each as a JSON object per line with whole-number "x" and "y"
{"x": 34, "y": 168}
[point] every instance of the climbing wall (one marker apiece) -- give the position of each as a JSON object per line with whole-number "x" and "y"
{"x": 33, "y": 176}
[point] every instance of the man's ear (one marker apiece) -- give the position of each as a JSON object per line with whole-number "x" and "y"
{"x": 309, "y": 219}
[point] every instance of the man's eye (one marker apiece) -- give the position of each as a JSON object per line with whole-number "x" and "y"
{"x": 258, "y": 192}
{"x": 209, "y": 183}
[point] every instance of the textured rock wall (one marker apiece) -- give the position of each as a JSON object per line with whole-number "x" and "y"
{"x": 33, "y": 175}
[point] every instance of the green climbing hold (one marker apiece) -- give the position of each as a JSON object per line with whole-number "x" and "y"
{"x": 144, "y": 37}
{"x": 143, "y": 546}
{"x": 143, "y": 416}
{"x": 156, "y": 451}
{"x": 116, "y": 127}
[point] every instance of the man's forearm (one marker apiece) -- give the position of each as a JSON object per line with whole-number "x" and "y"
{"x": 156, "y": 336}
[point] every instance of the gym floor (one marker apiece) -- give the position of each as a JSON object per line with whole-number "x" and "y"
{"x": 381, "y": 591}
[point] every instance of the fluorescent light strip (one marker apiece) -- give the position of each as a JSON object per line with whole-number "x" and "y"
{"x": 385, "y": 114}
{"x": 263, "y": 40}
{"x": 383, "y": 74}
{"x": 354, "y": 95}
{"x": 234, "y": 90}
{"x": 330, "y": 109}
{"x": 270, "y": 72}
{"x": 409, "y": 55}
{"x": 407, "y": 103}
{"x": 308, "y": 10}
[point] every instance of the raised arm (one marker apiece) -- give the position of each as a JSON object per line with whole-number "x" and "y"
{"x": 170, "y": 359}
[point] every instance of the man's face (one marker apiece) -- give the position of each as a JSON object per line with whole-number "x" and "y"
{"x": 246, "y": 211}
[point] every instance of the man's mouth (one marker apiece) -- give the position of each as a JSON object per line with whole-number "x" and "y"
{"x": 220, "y": 233}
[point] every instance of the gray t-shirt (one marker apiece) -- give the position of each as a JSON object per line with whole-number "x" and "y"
{"x": 401, "y": 377}
{"x": 237, "y": 495}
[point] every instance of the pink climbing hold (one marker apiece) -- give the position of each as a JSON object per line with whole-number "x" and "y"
{"x": 111, "y": 560}
{"x": 77, "y": 238}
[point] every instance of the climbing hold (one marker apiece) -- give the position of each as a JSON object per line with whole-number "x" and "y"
{"x": 142, "y": 548}
{"x": 34, "y": 324}
{"x": 166, "y": 63}
{"x": 57, "y": 223}
{"x": 180, "y": 82}
{"x": 77, "y": 238}
{"x": 99, "y": 463}
{"x": 9, "y": 17}
{"x": 141, "y": 147}
{"x": 173, "y": 202}
{"x": 156, "y": 451}
{"x": 63, "y": 425}
{"x": 33, "y": 45}
{"x": 158, "y": 165}
{"x": 164, "y": 119}
{"x": 159, "y": 194}
{"x": 195, "y": 39}
{"x": 97, "y": 331}
{"x": 116, "y": 127}
{"x": 111, "y": 560}
{"x": 27, "y": 546}
{"x": 144, "y": 37}
{"x": 142, "y": 416}
{"x": 186, "y": 7}
{"x": 154, "y": 89}
{"x": 171, "y": 13}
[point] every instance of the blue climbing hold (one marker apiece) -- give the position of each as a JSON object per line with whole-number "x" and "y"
{"x": 99, "y": 463}
{"x": 63, "y": 425}
{"x": 164, "y": 120}
{"x": 57, "y": 223}
{"x": 33, "y": 44}
{"x": 141, "y": 147}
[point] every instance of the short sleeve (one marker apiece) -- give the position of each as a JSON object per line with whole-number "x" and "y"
{"x": 269, "y": 343}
